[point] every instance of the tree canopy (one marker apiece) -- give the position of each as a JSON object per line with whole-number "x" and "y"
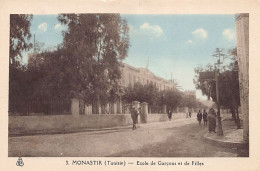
{"x": 19, "y": 35}
{"x": 228, "y": 83}
{"x": 149, "y": 93}
{"x": 94, "y": 45}
{"x": 142, "y": 93}
{"x": 85, "y": 66}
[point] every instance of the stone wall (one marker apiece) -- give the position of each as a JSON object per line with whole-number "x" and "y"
{"x": 68, "y": 123}
{"x": 64, "y": 123}
{"x": 242, "y": 36}
{"x": 157, "y": 117}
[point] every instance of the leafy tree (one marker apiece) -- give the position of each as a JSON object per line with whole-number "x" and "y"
{"x": 37, "y": 59}
{"x": 188, "y": 102}
{"x": 94, "y": 45}
{"x": 155, "y": 98}
{"x": 142, "y": 93}
{"x": 228, "y": 85}
{"x": 19, "y": 36}
{"x": 149, "y": 93}
{"x": 53, "y": 76}
{"x": 18, "y": 42}
{"x": 171, "y": 98}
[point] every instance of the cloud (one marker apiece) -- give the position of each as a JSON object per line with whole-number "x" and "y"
{"x": 200, "y": 33}
{"x": 57, "y": 27}
{"x": 153, "y": 30}
{"x": 190, "y": 41}
{"x": 147, "y": 30}
{"x": 229, "y": 34}
{"x": 43, "y": 27}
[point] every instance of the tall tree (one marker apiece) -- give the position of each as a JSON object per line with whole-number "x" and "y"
{"x": 94, "y": 45}
{"x": 228, "y": 85}
{"x": 19, "y": 35}
{"x": 18, "y": 42}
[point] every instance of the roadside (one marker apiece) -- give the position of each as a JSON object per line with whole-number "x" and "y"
{"x": 176, "y": 138}
{"x": 32, "y": 132}
{"x": 105, "y": 142}
{"x": 232, "y": 137}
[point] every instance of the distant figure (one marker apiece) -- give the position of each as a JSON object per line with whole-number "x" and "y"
{"x": 199, "y": 117}
{"x": 212, "y": 120}
{"x": 170, "y": 115}
{"x": 134, "y": 116}
{"x": 205, "y": 117}
{"x": 190, "y": 114}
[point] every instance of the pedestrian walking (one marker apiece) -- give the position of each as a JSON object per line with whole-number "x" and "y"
{"x": 205, "y": 117}
{"x": 212, "y": 120}
{"x": 134, "y": 116}
{"x": 170, "y": 115}
{"x": 199, "y": 117}
{"x": 190, "y": 114}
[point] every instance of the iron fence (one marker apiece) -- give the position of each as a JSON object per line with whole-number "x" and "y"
{"x": 39, "y": 107}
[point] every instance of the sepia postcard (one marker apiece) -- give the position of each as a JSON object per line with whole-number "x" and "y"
{"x": 114, "y": 85}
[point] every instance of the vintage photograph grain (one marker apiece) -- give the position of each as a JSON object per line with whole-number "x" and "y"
{"x": 128, "y": 85}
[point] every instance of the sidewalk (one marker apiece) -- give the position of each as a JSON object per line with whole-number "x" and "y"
{"x": 232, "y": 137}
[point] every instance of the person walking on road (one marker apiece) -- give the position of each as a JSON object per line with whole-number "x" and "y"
{"x": 190, "y": 114}
{"x": 199, "y": 117}
{"x": 205, "y": 117}
{"x": 170, "y": 115}
{"x": 134, "y": 116}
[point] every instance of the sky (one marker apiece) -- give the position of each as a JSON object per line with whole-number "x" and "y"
{"x": 165, "y": 43}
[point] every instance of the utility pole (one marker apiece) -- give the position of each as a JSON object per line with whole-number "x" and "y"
{"x": 219, "y": 127}
{"x": 218, "y": 55}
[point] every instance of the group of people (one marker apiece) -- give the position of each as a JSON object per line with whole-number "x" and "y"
{"x": 203, "y": 116}
{"x": 211, "y": 117}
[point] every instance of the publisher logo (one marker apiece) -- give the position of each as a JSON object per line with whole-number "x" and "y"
{"x": 19, "y": 162}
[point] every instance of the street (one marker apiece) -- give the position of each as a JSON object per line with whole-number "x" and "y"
{"x": 176, "y": 138}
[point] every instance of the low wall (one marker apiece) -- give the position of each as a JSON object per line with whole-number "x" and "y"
{"x": 157, "y": 117}
{"x": 179, "y": 115}
{"x": 19, "y": 125}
